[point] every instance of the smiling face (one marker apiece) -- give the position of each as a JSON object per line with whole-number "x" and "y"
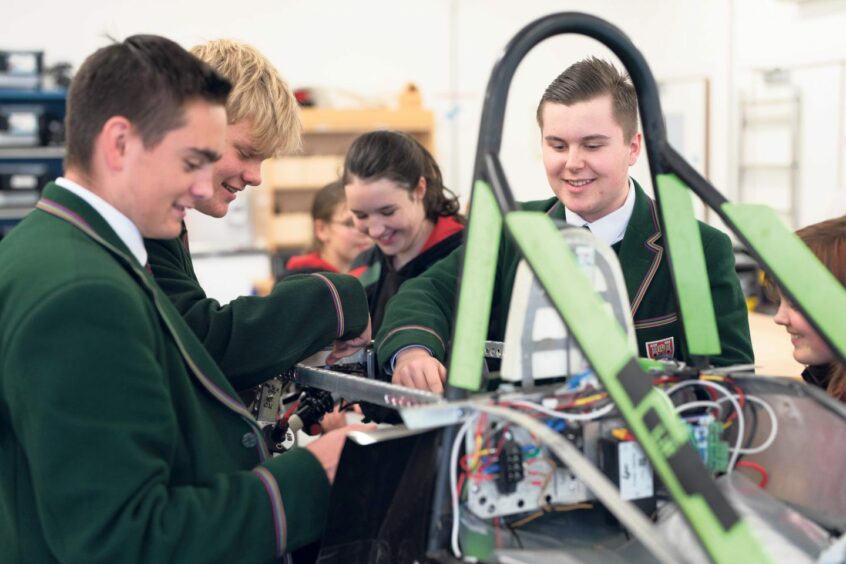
{"x": 165, "y": 180}
{"x": 808, "y": 346}
{"x": 340, "y": 241}
{"x": 390, "y": 215}
{"x": 239, "y": 167}
{"x": 586, "y": 156}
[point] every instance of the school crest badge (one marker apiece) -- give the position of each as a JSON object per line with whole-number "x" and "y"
{"x": 662, "y": 349}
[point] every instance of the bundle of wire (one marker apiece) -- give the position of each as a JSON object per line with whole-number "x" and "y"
{"x": 587, "y": 402}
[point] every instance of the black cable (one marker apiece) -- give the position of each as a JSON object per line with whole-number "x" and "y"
{"x": 516, "y": 537}
{"x": 753, "y": 428}
{"x": 347, "y": 405}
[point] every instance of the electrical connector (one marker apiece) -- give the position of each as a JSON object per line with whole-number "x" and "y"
{"x": 510, "y": 467}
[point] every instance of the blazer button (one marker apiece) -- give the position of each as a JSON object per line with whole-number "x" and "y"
{"x": 249, "y": 440}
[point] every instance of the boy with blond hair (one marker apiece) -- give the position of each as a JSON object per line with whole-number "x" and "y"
{"x": 255, "y": 338}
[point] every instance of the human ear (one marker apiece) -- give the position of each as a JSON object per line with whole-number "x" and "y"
{"x": 634, "y": 148}
{"x": 321, "y": 230}
{"x": 420, "y": 190}
{"x": 114, "y": 140}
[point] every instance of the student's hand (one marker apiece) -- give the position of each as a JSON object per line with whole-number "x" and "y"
{"x": 342, "y": 349}
{"x": 335, "y": 419}
{"x": 327, "y": 449}
{"x": 416, "y": 368}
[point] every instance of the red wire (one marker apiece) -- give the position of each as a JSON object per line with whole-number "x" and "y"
{"x": 765, "y": 477}
{"x": 290, "y": 411}
{"x": 529, "y": 411}
{"x": 664, "y": 380}
{"x": 460, "y": 485}
{"x": 741, "y": 398}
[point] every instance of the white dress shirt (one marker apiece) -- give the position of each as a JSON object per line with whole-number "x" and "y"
{"x": 612, "y": 227}
{"x": 122, "y": 225}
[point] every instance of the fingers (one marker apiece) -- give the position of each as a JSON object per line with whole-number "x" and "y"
{"x": 421, "y": 374}
{"x": 327, "y": 449}
{"x": 343, "y": 349}
{"x": 333, "y": 420}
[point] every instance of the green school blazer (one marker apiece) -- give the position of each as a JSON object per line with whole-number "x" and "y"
{"x": 120, "y": 438}
{"x": 421, "y": 313}
{"x": 255, "y": 338}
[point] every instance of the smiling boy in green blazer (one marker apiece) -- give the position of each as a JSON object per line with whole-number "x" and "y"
{"x": 120, "y": 438}
{"x": 589, "y": 136}
{"x": 254, "y": 338}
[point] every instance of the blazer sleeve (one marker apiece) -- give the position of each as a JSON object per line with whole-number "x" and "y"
{"x": 421, "y": 313}
{"x": 255, "y": 338}
{"x": 98, "y": 422}
{"x": 729, "y": 302}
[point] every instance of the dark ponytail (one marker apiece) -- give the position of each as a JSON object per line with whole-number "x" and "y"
{"x": 399, "y": 157}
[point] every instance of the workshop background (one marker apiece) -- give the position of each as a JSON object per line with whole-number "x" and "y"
{"x": 755, "y": 103}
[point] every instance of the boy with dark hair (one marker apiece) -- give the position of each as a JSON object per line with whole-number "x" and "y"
{"x": 120, "y": 439}
{"x": 588, "y": 122}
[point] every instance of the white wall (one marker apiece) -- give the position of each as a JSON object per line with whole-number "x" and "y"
{"x": 373, "y": 47}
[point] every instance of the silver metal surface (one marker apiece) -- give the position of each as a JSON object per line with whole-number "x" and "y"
{"x": 365, "y": 438}
{"x": 266, "y": 409}
{"x": 357, "y": 388}
{"x": 493, "y": 349}
{"x": 806, "y": 462}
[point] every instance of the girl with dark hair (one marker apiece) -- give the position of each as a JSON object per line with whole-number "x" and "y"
{"x": 827, "y": 240}
{"x": 396, "y": 194}
{"x": 337, "y": 242}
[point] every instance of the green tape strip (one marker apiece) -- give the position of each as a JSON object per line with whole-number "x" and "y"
{"x": 797, "y": 268}
{"x": 604, "y": 344}
{"x": 475, "y": 295}
{"x": 684, "y": 242}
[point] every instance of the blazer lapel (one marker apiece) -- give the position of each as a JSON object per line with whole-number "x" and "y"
{"x": 67, "y": 206}
{"x": 640, "y": 253}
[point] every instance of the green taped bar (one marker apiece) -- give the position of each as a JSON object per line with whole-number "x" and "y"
{"x": 477, "y": 282}
{"x": 681, "y": 232}
{"x": 597, "y": 332}
{"x": 603, "y": 342}
{"x": 796, "y": 267}
{"x": 737, "y": 544}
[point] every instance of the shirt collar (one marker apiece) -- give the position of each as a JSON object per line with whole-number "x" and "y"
{"x": 120, "y": 224}
{"x": 612, "y": 227}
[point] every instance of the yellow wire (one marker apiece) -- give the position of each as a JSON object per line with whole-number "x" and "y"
{"x": 590, "y": 399}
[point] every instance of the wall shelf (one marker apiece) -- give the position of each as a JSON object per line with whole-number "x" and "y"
{"x": 282, "y": 204}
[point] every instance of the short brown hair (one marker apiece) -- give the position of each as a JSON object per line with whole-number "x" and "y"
{"x": 259, "y": 95}
{"x": 827, "y": 240}
{"x": 591, "y": 78}
{"x": 147, "y": 79}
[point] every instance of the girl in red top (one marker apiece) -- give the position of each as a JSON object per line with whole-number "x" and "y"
{"x": 336, "y": 240}
{"x": 397, "y": 197}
